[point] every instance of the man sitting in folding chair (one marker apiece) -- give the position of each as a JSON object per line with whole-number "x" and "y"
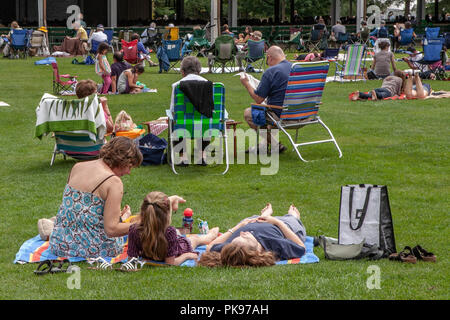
{"x": 194, "y": 109}
{"x": 300, "y": 107}
{"x": 253, "y": 51}
{"x": 272, "y": 86}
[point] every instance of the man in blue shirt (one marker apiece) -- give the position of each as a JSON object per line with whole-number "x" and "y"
{"x": 271, "y": 88}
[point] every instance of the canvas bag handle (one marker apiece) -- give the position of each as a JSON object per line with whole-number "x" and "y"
{"x": 362, "y": 212}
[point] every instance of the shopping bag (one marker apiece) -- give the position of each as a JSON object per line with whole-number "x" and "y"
{"x": 365, "y": 216}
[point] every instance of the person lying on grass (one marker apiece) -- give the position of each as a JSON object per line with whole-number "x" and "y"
{"x": 258, "y": 241}
{"x": 154, "y": 238}
{"x": 415, "y": 89}
{"x": 391, "y": 86}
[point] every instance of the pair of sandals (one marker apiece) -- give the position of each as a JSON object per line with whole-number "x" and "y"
{"x": 54, "y": 266}
{"x": 409, "y": 255}
{"x": 133, "y": 265}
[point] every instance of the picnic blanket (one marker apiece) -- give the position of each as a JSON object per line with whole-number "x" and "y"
{"x": 78, "y": 116}
{"x": 48, "y": 60}
{"x": 36, "y": 250}
{"x": 400, "y": 97}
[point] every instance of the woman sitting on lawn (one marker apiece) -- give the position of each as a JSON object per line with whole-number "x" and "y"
{"x": 154, "y": 238}
{"x": 382, "y": 60}
{"x": 128, "y": 78}
{"x": 88, "y": 221}
{"x": 258, "y": 241}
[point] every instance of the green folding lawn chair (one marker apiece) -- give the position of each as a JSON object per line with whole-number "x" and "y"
{"x": 224, "y": 54}
{"x": 187, "y": 123}
{"x": 354, "y": 63}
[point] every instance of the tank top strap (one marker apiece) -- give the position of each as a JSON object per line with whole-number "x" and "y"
{"x": 102, "y": 182}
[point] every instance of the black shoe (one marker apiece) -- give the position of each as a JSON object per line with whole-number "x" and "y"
{"x": 316, "y": 241}
{"x": 203, "y": 163}
{"x": 282, "y": 148}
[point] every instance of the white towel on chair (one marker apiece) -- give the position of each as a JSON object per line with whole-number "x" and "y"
{"x": 55, "y": 114}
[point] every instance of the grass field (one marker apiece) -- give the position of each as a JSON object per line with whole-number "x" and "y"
{"x": 401, "y": 144}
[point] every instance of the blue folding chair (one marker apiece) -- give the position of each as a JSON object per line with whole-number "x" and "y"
{"x": 432, "y": 58}
{"x": 110, "y": 34}
{"x": 169, "y": 54}
{"x": 19, "y": 43}
{"x": 432, "y": 33}
{"x": 255, "y": 55}
{"x": 406, "y": 38}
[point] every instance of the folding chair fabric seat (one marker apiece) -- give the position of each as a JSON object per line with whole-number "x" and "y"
{"x": 255, "y": 54}
{"x": 61, "y": 84}
{"x": 224, "y": 53}
{"x": 301, "y": 102}
{"x": 187, "y": 122}
{"x": 19, "y": 42}
{"x": 353, "y": 62}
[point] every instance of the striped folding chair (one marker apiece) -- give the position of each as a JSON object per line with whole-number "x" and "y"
{"x": 301, "y": 102}
{"x": 76, "y": 145}
{"x": 186, "y": 122}
{"x": 353, "y": 65}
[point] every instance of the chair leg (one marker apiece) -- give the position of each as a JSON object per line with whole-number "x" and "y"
{"x": 332, "y": 137}
{"x": 225, "y": 141}
{"x": 172, "y": 153}
{"x": 53, "y": 155}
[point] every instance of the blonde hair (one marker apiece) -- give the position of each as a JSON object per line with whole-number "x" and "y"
{"x": 155, "y": 218}
{"x": 235, "y": 255}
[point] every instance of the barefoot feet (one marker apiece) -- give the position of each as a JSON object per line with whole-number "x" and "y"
{"x": 294, "y": 211}
{"x": 374, "y": 95}
{"x": 267, "y": 210}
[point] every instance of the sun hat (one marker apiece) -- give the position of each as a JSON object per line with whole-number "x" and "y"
{"x": 43, "y": 29}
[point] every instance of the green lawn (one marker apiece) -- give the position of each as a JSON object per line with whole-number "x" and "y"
{"x": 401, "y": 144}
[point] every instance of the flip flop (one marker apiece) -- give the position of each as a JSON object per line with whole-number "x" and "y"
{"x": 49, "y": 266}
{"x": 99, "y": 264}
{"x": 44, "y": 267}
{"x": 132, "y": 266}
{"x": 404, "y": 256}
{"x": 422, "y": 254}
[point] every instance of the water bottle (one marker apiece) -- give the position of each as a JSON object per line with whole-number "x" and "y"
{"x": 188, "y": 221}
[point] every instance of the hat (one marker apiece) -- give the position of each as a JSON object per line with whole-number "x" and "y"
{"x": 100, "y": 27}
{"x": 43, "y": 29}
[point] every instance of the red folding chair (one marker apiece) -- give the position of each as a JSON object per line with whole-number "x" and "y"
{"x": 130, "y": 51}
{"x": 60, "y": 85}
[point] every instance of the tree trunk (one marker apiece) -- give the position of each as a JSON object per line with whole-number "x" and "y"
{"x": 407, "y": 7}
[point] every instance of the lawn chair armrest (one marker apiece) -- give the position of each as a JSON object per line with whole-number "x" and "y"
{"x": 169, "y": 114}
{"x": 268, "y": 106}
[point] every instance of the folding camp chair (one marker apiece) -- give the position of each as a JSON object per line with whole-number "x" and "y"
{"x": 151, "y": 38}
{"x": 224, "y": 54}
{"x": 316, "y": 41}
{"x": 19, "y": 43}
{"x": 110, "y": 34}
{"x": 301, "y": 102}
{"x": 433, "y": 58}
{"x": 295, "y": 39}
{"x": 61, "y": 86}
{"x": 198, "y": 42}
{"x": 169, "y": 54}
{"x": 77, "y": 146}
{"x": 432, "y": 33}
{"x": 330, "y": 54}
{"x": 130, "y": 51}
{"x": 342, "y": 39}
{"x": 352, "y": 68}
{"x": 38, "y": 41}
{"x": 255, "y": 55}
{"x": 78, "y": 125}
{"x": 406, "y": 38}
{"x": 171, "y": 33}
{"x": 186, "y": 122}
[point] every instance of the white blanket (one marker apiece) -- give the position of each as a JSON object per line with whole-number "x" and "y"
{"x": 82, "y": 116}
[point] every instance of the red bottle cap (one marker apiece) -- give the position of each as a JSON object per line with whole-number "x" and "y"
{"x": 188, "y": 212}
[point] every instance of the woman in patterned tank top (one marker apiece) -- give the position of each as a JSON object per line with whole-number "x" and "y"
{"x": 88, "y": 223}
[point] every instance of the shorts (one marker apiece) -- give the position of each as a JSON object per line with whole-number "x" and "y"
{"x": 293, "y": 223}
{"x": 425, "y": 86}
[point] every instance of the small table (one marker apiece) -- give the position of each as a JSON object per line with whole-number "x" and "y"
{"x": 233, "y": 124}
{"x": 156, "y": 126}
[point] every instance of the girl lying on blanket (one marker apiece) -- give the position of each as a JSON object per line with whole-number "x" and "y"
{"x": 258, "y": 241}
{"x": 154, "y": 238}
{"x": 415, "y": 89}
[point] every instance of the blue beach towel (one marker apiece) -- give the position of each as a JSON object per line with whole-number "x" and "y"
{"x": 48, "y": 60}
{"x": 36, "y": 250}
